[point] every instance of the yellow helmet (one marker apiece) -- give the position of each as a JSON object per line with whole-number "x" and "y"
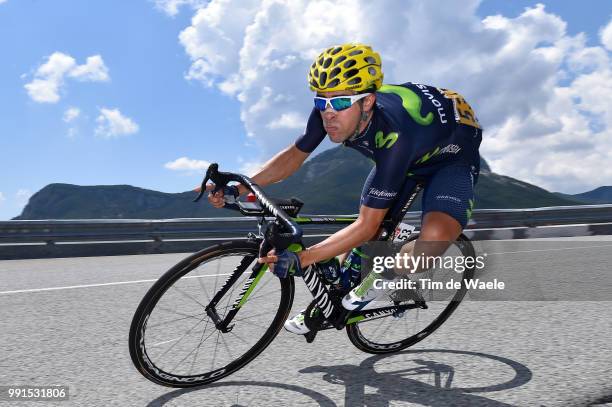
{"x": 346, "y": 67}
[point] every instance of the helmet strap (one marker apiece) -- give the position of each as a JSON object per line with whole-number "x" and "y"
{"x": 363, "y": 117}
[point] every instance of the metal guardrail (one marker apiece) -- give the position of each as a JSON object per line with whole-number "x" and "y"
{"x": 66, "y": 238}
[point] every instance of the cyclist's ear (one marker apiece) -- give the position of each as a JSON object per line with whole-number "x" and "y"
{"x": 368, "y": 102}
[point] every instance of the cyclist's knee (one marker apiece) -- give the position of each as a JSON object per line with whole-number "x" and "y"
{"x": 439, "y": 226}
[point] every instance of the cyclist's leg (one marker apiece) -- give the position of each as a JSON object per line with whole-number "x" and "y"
{"x": 296, "y": 324}
{"x": 448, "y": 201}
{"x": 362, "y": 295}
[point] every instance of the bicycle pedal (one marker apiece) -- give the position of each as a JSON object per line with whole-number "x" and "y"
{"x": 398, "y": 315}
{"x": 310, "y": 336}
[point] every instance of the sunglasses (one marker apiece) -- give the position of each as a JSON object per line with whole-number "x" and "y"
{"x": 337, "y": 103}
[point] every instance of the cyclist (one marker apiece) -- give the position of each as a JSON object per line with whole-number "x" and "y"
{"x": 411, "y": 131}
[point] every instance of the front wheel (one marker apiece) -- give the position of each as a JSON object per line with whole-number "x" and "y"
{"x": 174, "y": 340}
{"x": 390, "y": 334}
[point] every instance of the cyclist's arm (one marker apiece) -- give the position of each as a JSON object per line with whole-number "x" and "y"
{"x": 392, "y": 164}
{"x": 278, "y": 167}
{"x": 362, "y": 230}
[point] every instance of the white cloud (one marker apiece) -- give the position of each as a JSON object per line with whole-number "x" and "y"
{"x": 291, "y": 120}
{"x": 111, "y": 124}
{"x": 48, "y": 79}
{"x": 171, "y": 7}
{"x": 2, "y": 198}
{"x": 606, "y": 36}
{"x": 187, "y": 164}
{"x": 542, "y": 94}
{"x": 249, "y": 168}
{"x": 3, "y": 1}
{"x": 93, "y": 70}
{"x": 71, "y": 114}
{"x": 22, "y": 196}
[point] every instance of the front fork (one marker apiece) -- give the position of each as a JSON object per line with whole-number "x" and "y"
{"x": 257, "y": 273}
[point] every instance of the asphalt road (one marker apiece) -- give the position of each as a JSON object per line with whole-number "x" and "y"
{"x": 66, "y": 322}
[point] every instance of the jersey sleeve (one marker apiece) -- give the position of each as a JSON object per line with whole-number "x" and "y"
{"x": 392, "y": 164}
{"x": 314, "y": 134}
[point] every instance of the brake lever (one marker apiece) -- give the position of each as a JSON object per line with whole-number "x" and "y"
{"x": 220, "y": 180}
{"x": 210, "y": 172}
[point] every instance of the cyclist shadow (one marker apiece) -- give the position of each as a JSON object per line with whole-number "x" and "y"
{"x": 313, "y": 396}
{"x": 398, "y": 385}
{"x": 404, "y": 384}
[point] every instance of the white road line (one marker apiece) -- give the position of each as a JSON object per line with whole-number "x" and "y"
{"x": 34, "y": 290}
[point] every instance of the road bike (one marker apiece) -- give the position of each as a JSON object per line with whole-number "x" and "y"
{"x": 216, "y": 310}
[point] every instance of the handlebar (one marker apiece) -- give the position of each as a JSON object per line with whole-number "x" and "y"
{"x": 278, "y": 238}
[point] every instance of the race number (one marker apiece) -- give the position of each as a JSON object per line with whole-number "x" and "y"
{"x": 402, "y": 232}
{"x": 463, "y": 111}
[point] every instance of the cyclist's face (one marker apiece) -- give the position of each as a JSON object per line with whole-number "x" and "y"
{"x": 340, "y": 125}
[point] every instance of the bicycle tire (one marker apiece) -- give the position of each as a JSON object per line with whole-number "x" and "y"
{"x": 137, "y": 343}
{"x": 362, "y": 343}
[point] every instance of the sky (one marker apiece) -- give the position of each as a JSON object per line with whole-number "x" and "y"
{"x": 149, "y": 92}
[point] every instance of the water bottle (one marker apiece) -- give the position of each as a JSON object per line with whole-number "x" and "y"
{"x": 329, "y": 270}
{"x": 351, "y": 269}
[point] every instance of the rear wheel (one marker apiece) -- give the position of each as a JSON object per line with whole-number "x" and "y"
{"x": 393, "y": 333}
{"x": 174, "y": 342}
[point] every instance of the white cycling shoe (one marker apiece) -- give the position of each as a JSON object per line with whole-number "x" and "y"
{"x": 296, "y": 324}
{"x": 364, "y": 295}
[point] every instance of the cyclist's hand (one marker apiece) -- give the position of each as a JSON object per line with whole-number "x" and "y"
{"x": 217, "y": 199}
{"x": 283, "y": 263}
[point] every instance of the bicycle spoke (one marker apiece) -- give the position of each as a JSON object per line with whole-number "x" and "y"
{"x": 204, "y": 289}
{"x": 175, "y": 320}
{"x": 188, "y": 296}
{"x": 185, "y": 358}
{"x": 181, "y": 338}
{"x": 386, "y": 329}
{"x": 230, "y": 297}
{"x": 258, "y": 289}
{"x": 252, "y": 323}
{"x": 239, "y": 337}
{"x": 252, "y": 316}
{"x": 212, "y": 364}
{"x": 173, "y": 311}
{"x": 217, "y": 274}
{"x": 198, "y": 350}
{"x": 262, "y": 295}
{"x": 226, "y": 347}
{"x": 408, "y": 329}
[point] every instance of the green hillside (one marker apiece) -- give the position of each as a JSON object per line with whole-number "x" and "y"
{"x": 329, "y": 183}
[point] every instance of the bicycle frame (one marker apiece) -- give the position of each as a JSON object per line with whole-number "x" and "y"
{"x": 315, "y": 285}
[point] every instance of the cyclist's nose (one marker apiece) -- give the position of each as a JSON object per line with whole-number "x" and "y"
{"x": 329, "y": 113}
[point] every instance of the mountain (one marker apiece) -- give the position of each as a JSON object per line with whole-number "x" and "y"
{"x": 65, "y": 201}
{"x": 329, "y": 183}
{"x": 342, "y": 171}
{"x": 599, "y": 195}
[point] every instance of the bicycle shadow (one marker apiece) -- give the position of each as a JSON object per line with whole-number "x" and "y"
{"x": 398, "y": 385}
{"x": 317, "y": 398}
{"x": 404, "y": 384}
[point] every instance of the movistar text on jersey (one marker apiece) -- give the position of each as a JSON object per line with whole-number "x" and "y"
{"x": 406, "y": 261}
